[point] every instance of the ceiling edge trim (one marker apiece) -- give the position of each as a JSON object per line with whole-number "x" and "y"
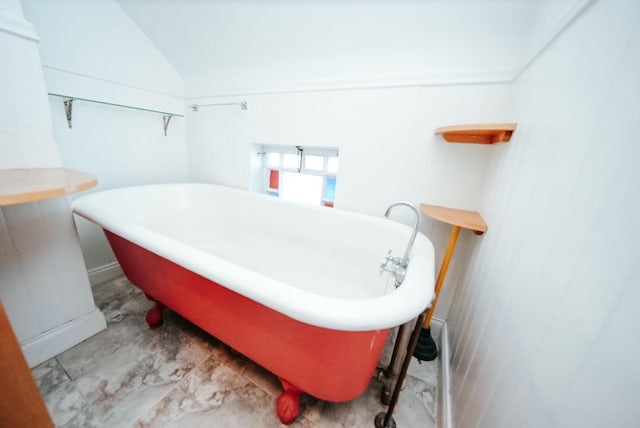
{"x": 579, "y": 7}
{"x": 113, "y": 82}
{"x": 363, "y": 84}
{"x": 18, "y": 26}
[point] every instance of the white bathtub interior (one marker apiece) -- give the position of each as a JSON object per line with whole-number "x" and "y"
{"x": 314, "y": 264}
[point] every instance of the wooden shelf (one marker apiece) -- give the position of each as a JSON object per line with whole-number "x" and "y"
{"x": 19, "y": 186}
{"x": 483, "y": 133}
{"x": 471, "y": 220}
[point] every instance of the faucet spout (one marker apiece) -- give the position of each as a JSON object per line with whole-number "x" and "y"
{"x": 405, "y": 259}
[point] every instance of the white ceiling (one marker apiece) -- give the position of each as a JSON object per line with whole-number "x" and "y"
{"x": 241, "y": 46}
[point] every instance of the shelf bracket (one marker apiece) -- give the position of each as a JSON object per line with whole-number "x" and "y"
{"x": 300, "y": 150}
{"x": 165, "y": 120}
{"x": 68, "y": 108}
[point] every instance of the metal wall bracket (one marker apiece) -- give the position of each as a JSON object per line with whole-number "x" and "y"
{"x": 165, "y": 120}
{"x": 300, "y": 150}
{"x": 68, "y": 108}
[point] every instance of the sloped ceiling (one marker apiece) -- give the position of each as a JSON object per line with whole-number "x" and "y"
{"x": 230, "y": 47}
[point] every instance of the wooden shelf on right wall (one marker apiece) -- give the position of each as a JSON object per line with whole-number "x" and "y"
{"x": 479, "y": 133}
{"x": 465, "y": 219}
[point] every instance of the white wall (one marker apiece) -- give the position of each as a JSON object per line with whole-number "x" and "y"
{"x": 544, "y": 326}
{"x": 122, "y": 148}
{"x": 43, "y": 280}
{"x": 388, "y": 151}
{"x": 93, "y": 50}
{"x": 431, "y": 63}
{"x": 545, "y": 22}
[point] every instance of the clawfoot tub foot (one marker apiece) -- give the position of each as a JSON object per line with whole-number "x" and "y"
{"x": 288, "y": 403}
{"x": 154, "y": 315}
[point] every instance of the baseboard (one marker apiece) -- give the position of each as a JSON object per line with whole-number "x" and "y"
{"x": 50, "y": 343}
{"x": 104, "y": 273}
{"x": 443, "y": 419}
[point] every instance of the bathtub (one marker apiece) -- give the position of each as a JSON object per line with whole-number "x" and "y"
{"x": 293, "y": 287}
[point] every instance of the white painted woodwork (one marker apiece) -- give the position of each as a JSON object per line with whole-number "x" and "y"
{"x": 43, "y": 280}
{"x": 543, "y": 324}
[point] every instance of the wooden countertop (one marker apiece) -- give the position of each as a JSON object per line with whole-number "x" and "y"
{"x": 19, "y": 186}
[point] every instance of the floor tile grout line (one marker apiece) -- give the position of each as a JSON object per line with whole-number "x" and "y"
{"x": 63, "y": 368}
{"x": 146, "y": 409}
{"x": 89, "y": 403}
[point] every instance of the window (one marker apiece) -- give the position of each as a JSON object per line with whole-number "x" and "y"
{"x": 302, "y": 174}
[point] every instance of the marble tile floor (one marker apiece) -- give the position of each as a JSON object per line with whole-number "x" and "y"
{"x": 179, "y": 376}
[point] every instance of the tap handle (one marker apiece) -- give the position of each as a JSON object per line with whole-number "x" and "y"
{"x": 385, "y": 262}
{"x": 383, "y": 268}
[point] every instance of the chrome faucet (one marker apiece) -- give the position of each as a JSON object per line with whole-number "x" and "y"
{"x": 395, "y": 265}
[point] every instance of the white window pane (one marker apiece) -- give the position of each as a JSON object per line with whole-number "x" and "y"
{"x": 301, "y": 188}
{"x": 290, "y": 161}
{"x": 332, "y": 164}
{"x": 273, "y": 161}
{"x": 315, "y": 163}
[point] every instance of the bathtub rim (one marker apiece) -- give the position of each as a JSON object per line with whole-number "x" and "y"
{"x": 358, "y": 314}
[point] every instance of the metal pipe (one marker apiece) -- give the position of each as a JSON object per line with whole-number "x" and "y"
{"x": 397, "y": 357}
{"x": 243, "y": 105}
{"x": 385, "y": 420}
{"x": 405, "y": 260}
{"x": 402, "y": 341}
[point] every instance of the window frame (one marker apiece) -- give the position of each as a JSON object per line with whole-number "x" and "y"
{"x": 325, "y": 152}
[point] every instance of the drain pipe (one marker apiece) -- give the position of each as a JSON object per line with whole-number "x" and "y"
{"x": 385, "y": 420}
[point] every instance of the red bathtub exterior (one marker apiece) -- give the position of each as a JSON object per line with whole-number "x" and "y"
{"x": 329, "y": 364}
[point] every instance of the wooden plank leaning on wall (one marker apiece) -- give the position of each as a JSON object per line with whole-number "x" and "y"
{"x": 21, "y": 404}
